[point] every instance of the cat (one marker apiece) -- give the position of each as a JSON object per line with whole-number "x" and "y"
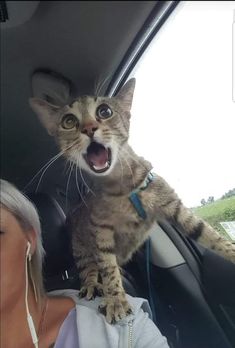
{"x": 127, "y": 199}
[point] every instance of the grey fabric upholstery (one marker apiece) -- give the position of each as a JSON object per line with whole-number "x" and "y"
{"x": 59, "y": 269}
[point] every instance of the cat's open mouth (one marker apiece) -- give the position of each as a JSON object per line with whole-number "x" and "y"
{"x": 98, "y": 157}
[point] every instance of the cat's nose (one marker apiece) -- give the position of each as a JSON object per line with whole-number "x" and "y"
{"x": 90, "y": 128}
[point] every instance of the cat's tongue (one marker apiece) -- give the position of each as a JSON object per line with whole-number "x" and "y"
{"x": 97, "y": 156}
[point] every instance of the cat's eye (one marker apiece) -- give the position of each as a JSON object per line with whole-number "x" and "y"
{"x": 69, "y": 121}
{"x": 104, "y": 111}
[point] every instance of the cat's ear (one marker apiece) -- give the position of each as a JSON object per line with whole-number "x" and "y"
{"x": 125, "y": 95}
{"x": 47, "y": 113}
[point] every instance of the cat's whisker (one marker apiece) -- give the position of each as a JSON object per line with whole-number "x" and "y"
{"x": 96, "y": 86}
{"x": 99, "y": 87}
{"x": 117, "y": 135}
{"x": 46, "y": 166}
{"x": 101, "y": 84}
{"x": 44, "y": 171}
{"x": 112, "y": 132}
{"x": 71, "y": 164}
{"x": 132, "y": 175}
{"x": 68, "y": 165}
{"x": 121, "y": 167}
{"x": 67, "y": 185}
{"x": 132, "y": 157}
{"x": 41, "y": 169}
{"x": 84, "y": 181}
{"x": 77, "y": 184}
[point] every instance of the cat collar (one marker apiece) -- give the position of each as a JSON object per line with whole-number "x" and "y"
{"x": 134, "y": 198}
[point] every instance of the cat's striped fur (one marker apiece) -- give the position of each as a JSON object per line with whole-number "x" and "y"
{"x": 107, "y": 229}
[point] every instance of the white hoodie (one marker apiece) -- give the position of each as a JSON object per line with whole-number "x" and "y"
{"x": 135, "y": 331}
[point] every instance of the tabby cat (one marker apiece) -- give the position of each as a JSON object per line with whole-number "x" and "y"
{"x": 116, "y": 217}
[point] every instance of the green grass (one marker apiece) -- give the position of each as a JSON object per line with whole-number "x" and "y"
{"x": 218, "y": 211}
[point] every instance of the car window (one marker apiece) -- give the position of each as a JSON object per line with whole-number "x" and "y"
{"x": 183, "y": 114}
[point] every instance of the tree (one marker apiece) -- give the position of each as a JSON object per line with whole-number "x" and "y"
{"x": 203, "y": 201}
{"x": 228, "y": 194}
{"x": 211, "y": 199}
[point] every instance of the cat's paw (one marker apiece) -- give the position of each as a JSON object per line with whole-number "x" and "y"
{"x": 91, "y": 291}
{"x": 115, "y": 308}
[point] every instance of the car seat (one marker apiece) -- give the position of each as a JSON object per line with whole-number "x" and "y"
{"x": 59, "y": 269}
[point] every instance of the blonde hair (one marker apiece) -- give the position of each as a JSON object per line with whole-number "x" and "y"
{"x": 26, "y": 214}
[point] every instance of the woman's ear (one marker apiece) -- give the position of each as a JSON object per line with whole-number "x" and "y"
{"x": 32, "y": 239}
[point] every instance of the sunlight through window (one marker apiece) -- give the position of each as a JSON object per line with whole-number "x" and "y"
{"x": 183, "y": 115}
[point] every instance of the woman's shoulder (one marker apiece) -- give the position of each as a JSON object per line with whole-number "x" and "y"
{"x": 94, "y": 331}
{"x": 136, "y": 303}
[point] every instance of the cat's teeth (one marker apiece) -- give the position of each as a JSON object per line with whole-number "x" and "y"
{"x": 101, "y": 167}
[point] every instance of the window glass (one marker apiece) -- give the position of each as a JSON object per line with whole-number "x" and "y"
{"x": 183, "y": 114}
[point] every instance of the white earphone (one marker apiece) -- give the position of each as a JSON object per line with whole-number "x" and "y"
{"x": 28, "y": 254}
{"x": 28, "y": 249}
{"x": 29, "y": 317}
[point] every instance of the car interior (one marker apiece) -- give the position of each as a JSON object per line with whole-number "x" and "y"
{"x": 191, "y": 290}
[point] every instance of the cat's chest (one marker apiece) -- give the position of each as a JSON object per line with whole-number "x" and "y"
{"x": 122, "y": 210}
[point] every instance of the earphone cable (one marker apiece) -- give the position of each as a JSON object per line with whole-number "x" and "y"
{"x": 29, "y": 317}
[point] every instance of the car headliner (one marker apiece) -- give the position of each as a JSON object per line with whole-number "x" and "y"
{"x": 82, "y": 40}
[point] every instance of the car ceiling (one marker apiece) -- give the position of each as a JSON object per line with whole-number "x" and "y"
{"x": 83, "y": 40}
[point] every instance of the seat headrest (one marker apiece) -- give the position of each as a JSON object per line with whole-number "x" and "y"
{"x": 55, "y": 236}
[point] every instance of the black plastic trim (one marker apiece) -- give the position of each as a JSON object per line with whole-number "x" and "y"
{"x": 181, "y": 296}
{"x": 3, "y": 12}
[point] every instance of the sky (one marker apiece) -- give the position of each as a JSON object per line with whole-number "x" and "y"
{"x": 183, "y": 114}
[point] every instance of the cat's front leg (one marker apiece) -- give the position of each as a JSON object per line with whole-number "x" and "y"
{"x": 90, "y": 285}
{"x": 89, "y": 276}
{"x": 114, "y": 304}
